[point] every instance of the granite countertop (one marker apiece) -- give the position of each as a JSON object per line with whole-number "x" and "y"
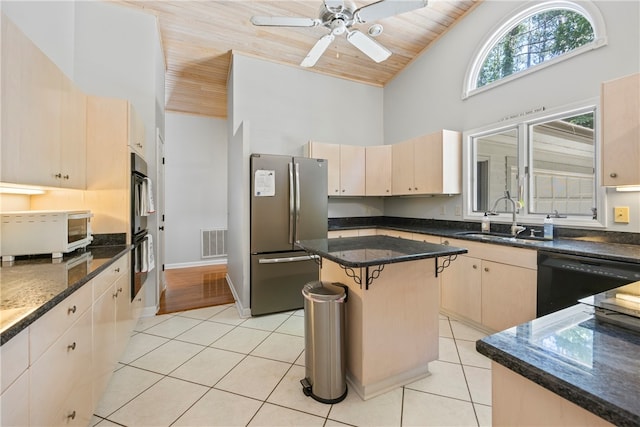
{"x": 368, "y": 251}
{"x": 591, "y": 363}
{"x": 31, "y": 286}
{"x": 621, "y": 247}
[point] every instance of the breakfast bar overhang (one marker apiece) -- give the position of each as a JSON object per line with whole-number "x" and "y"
{"x": 392, "y": 307}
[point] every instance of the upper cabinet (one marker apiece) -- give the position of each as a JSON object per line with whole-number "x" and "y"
{"x": 136, "y": 133}
{"x": 378, "y": 170}
{"x": 43, "y": 117}
{"x": 429, "y": 164}
{"x": 346, "y": 167}
{"x": 621, "y": 131}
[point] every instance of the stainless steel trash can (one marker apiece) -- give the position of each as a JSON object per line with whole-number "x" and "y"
{"x": 324, "y": 336}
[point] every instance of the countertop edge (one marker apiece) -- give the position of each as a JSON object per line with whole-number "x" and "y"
{"x": 26, "y": 321}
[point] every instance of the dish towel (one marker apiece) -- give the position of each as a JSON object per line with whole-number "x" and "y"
{"x": 150, "y": 259}
{"x": 146, "y": 198}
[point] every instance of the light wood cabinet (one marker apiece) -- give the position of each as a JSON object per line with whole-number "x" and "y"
{"x": 136, "y": 132}
{"x": 494, "y": 286}
{"x": 378, "y": 170}
{"x": 346, "y": 169}
{"x": 43, "y": 117}
{"x": 428, "y": 164}
{"x": 621, "y": 131}
{"x": 14, "y": 379}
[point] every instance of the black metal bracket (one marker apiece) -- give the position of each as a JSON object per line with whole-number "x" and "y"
{"x": 370, "y": 275}
{"x": 447, "y": 261}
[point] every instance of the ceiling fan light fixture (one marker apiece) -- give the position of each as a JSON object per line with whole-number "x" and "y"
{"x": 375, "y": 30}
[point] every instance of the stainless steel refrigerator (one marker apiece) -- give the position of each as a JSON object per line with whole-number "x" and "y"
{"x": 288, "y": 203}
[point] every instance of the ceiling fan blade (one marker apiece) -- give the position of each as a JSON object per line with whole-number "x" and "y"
{"x": 368, "y": 46}
{"x": 283, "y": 21}
{"x": 317, "y": 50}
{"x": 385, "y": 8}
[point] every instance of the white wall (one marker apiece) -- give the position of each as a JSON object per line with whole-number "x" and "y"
{"x": 195, "y": 184}
{"x": 427, "y": 95}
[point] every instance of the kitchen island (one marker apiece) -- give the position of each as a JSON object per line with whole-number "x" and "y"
{"x": 392, "y": 306}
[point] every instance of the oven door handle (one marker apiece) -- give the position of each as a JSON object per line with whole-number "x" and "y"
{"x": 287, "y": 259}
{"x": 80, "y": 216}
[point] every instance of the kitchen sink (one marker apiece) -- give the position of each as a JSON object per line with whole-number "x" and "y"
{"x": 501, "y": 237}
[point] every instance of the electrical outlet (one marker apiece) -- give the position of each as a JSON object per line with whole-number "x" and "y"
{"x": 621, "y": 214}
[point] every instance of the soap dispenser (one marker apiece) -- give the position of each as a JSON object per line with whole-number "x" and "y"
{"x": 548, "y": 228}
{"x": 486, "y": 224}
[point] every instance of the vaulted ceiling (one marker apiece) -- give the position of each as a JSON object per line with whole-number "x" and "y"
{"x": 198, "y": 37}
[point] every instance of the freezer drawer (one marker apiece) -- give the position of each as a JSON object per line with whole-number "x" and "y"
{"x": 277, "y": 281}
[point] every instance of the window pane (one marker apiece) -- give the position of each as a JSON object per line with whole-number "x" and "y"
{"x": 496, "y": 169}
{"x": 563, "y": 166}
{"x": 535, "y": 39}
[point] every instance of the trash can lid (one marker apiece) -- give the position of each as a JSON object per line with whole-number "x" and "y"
{"x": 324, "y": 291}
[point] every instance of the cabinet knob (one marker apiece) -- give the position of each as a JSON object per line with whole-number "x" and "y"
{"x": 387, "y": 190}
{"x": 71, "y": 310}
{"x": 72, "y": 415}
{"x": 613, "y": 175}
{"x": 66, "y": 177}
{"x": 115, "y": 295}
{"x": 337, "y": 190}
{"x": 117, "y": 270}
{"x": 486, "y": 269}
{"x": 409, "y": 188}
{"x": 119, "y": 290}
{"x": 343, "y": 190}
{"x": 58, "y": 175}
{"x": 415, "y": 188}
{"x": 475, "y": 266}
{"x": 72, "y": 346}
{"x": 446, "y": 242}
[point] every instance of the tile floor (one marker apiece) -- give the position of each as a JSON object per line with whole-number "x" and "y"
{"x": 209, "y": 367}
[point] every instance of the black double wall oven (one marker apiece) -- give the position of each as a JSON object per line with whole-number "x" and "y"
{"x": 139, "y": 231}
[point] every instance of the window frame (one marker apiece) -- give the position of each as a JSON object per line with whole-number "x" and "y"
{"x": 586, "y": 9}
{"x": 525, "y": 157}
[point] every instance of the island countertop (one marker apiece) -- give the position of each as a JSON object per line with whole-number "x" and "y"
{"x": 369, "y": 251}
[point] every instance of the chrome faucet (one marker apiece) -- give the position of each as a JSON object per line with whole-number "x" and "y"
{"x": 515, "y": 228}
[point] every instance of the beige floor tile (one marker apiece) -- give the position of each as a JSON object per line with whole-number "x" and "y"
{"x": 424, "y": 409}
{"x": 445, "y": 328}
{"x": 479, "y": 381}
{"x": 294, "y": 325}
{"x": 254, "y": 377}
{"x": 285, "y": 348}
{"x": 448, "y": 350}
{"x": 271, "y": 415}
{"x": 289, "y": 393}
{"x": 446, "y": 379}
{"x": 469, "y": 355}
{"x": 145, "y": 323}
{"x": 173, "y": 327}
{"x": 334, "y": 423}
{"x": 208, "y": 366}
{"x": 167, "y": 357}
{"x": 219, "y": 408}
{"x": 139, "y": 345}
{"x": 229, "y": 316}
{"x": 125, "y": 384}
{"x": 160, "y": 405}
{"x": 105, "y": 423}
{"x": 270, "y": 322}
{"x": 205, "y": 333}
{"x": 383, "y": 410}
{"x": 464, "y": 332}
{"x": 204, "y": 313}
{"x": 299, "y": 313}
{"x": 301, "y": 360}
{"x": 483, "y": 413}
{"x": 241, "y": 340}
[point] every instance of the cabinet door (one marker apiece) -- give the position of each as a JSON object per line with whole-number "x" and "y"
{"x": 621, "y": 131}
{"x": 331, "y": 152}
{"x": 73, "y": 155}
{"x": 124, "y": 315}
{"x": 462, "y": 288}
{"x": 352, "y": 170}
{"x": 378, "y": 166}
{"x": 427, "y": 174}
{"x": 402, "y": 161}
{"x": 104, "y": 341}
{"x": 509, "y": 295}
{"x": 136, "y": 132}
{"x": 14, "y": 403}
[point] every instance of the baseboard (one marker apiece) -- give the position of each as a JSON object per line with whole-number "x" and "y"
{"x": 149, "y": 311}
{"x": 381, "y": 387}
{"x": 242, "y": 311}
{"x": 217, "y": 261}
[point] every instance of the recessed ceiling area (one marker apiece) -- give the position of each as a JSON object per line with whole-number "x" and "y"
{"x": 198, "y": 37}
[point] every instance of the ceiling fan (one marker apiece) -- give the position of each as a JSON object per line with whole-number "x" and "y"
{"x": 339, "y": 16}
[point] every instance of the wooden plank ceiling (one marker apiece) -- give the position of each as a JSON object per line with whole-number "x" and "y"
{"x": 198, "y": 37}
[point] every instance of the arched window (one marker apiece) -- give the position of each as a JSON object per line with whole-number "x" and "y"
{"x": 536, "y": 36}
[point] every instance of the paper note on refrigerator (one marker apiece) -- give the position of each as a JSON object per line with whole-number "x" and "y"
{"x": 265, "y": 183}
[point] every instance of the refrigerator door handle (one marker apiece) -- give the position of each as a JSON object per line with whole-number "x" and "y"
{"x": 297, "y": 167}
{"x": 291, "y": 204}
{"x": 287, "y": 259}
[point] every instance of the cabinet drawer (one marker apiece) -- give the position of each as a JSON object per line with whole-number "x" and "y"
{"x": 105, "y": 279}
{"x": 333, "y": 234}
{"x": 14, "y": 359}
{"x": 53, "y": 324}
{"x": 60, "y": 380}
{"x": 505, "y": 254}
{"x": 14, "y": 403}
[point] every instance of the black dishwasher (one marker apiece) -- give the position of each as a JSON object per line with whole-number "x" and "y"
{"x": 563, "y": 279}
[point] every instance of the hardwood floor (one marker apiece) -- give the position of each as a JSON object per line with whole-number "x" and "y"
{"x": 195, "y": 287}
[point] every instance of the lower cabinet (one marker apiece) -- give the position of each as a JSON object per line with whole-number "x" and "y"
{"x": 493, "y": 286}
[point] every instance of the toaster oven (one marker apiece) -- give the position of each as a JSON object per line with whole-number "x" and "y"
{"x": 44, "y": 232}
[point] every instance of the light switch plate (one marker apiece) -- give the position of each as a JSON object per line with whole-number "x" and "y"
{"x": 621, "y": 214}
